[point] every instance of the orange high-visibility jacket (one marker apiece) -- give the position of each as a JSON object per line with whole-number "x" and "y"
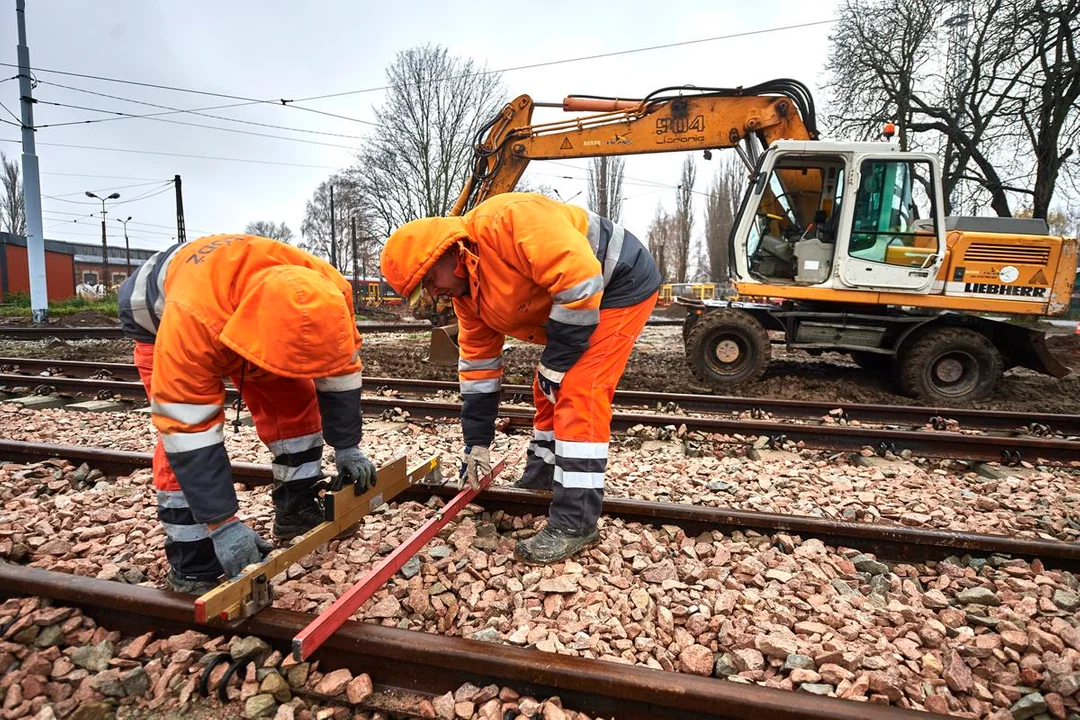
{"x": 539, "y": 270}
{"x": 247, "y": 306}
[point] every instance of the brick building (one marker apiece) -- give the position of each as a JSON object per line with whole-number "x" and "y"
{"x": 67, "y": 265}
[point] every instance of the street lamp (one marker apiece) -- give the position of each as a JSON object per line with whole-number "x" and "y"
{"x": 127, "y": 247}
{"x": 104, "y": 242}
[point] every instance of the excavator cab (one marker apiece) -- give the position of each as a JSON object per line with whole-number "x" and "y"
{"x": 841, "y": 216}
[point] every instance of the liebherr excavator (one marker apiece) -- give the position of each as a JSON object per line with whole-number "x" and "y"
{"x": 840, "y": 246}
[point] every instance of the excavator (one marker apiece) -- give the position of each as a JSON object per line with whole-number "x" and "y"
{"x": 837, "y": 246}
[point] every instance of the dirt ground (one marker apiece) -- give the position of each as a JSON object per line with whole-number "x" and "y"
{"x": 658, "y": 364}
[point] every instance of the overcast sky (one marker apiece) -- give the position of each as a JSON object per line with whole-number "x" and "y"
{"x": 275, "y": 49}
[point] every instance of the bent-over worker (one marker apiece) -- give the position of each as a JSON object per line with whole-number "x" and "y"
{"x": 522, "y": 265}
{"x": 279, "y": 323}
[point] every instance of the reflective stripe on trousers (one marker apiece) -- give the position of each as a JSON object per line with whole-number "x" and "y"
{"x": 580, "y": 421}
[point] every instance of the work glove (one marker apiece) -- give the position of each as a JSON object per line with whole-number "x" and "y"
{"x": 549, "y": 381}
{"x": 353, "y": 466}
{"x": 237, "y": 546}
{"x": 476, "y": 465}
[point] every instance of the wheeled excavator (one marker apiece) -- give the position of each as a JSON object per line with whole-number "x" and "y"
{"x": 837, "y": 246}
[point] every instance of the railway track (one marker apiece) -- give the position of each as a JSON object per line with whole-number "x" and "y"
{"x": 433, "y": 664}
{"x": 1009, "y": 449}
{"x": 113, "y": 332}
{"x": 893, "y": 542}
{"x": 915, "y": 416}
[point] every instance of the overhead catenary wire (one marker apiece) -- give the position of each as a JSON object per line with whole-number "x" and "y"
{"x": 181, "y": 122}
{"x": 84, "y": 216}
{"x": 292, "y": 103}
{"x": 169, "y": 110}
{"x": 179, "y": 155}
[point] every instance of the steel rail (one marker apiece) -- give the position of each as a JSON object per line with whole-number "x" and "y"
{"x": 434, "y": 664}
{"x": 934, "y": 444}
{"x": 893, "y": 542}
{"x": 796, "y": 409}
{"x": 113, "y": 332}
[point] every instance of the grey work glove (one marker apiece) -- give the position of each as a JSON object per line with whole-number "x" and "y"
{"x": 237, "y": 546}
{"x": 477, "y": 464}
{"x": 353, "y": 467}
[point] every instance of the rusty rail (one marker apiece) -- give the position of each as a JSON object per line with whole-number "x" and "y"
{"x": 434, "y": 664}
{"x": 892, "y": 542}
{"x": 935, "y": 444}
{"x": 113, "y": 332}
{"x": 912, "y": 415}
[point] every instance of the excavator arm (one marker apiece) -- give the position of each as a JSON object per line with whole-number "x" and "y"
{"x": 668, "y": 120}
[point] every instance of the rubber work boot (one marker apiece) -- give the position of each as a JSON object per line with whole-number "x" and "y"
{"x": 553, "y": 544}
{"x": 180, "y": 584}
{"x": 297, "y": 508}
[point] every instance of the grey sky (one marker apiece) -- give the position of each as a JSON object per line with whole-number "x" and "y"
{"x": 275, "y": 49}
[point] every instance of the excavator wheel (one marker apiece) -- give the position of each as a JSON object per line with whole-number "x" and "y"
{"x": 949, "y": 365}
{"x": 727, "y": 347}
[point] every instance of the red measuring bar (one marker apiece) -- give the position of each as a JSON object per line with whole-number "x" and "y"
{"x": 326, "y": 624}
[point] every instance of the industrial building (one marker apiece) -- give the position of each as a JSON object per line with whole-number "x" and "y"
{"x": 67, "y": 265}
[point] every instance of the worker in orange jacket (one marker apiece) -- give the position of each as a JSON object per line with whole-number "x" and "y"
{"x": 277, "y": 321}
{"x": 523, "y": 265}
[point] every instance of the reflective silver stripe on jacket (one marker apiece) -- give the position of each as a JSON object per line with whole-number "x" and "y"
{"x": 288, "y": 446}
{"x": 464, "y": 364}
{"x": 185, "y": 533}
{"x": 614, "y": 246}
{"x": 171, "y": 499}
{"x": 186, "y": 442}
{"x": 477, "y": 387}
{"x": 187, "y": 413}
{"x": 341, "y": 383}
{"x": 139, "y": 309}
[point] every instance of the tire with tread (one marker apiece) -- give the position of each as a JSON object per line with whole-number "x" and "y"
{"x": 741, "y": 333}
{"x": 949, "y": 365}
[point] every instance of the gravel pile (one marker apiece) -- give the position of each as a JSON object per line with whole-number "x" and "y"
{"x": 57, "y": 663}
{"x": 1032, "y": 502}
{"x": 993, "y": 638}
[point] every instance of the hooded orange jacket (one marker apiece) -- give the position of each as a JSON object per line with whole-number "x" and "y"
{"x": 539, "y": 270}
{"x": 238, "y": 305}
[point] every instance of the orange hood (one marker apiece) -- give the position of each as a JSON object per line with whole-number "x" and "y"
{"x": 412, "y": 250}
{"x": 294, "y": 322}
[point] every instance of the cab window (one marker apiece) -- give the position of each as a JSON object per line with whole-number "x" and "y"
{"x": 893, "y": 221}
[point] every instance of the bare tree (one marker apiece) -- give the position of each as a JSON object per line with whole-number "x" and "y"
{"x": 269, "y": 229}
{"x": 416, "y": 161}
{"x": 661, "y": 241}
{"x": 721, "y": 208}
{"x": 605, "y": 186}
{"x": 994, "y": 92}
{"x": 684, "y": 218}
{"x": 13, "y": 207}
{"x": 348, "y": 203}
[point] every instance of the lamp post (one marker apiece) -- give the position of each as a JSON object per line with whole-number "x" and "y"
{"x": 127, "y": 247}
{"x": 104, "y": 242}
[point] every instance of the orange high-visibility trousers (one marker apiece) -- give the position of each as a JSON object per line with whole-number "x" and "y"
{"x": 287, "y": 419}
{"x": 570, "y": 438}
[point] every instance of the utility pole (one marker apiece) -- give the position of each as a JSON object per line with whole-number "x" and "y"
{"x": 181, "y": 230}
{"x": 35, "y": 237}
{"x": 127, "y": 247}
{"x": 355, "y": 265}
{"x": 333, "y": 231}
{"x": 104, "y": 243}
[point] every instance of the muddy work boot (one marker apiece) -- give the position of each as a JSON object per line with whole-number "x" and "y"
{"x": 191, "y": 586}
{"x": 297, "y": 508}
{"x": 553, "y": 544}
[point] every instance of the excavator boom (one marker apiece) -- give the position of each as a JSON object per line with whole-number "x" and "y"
{"x": 668, "y": 120}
